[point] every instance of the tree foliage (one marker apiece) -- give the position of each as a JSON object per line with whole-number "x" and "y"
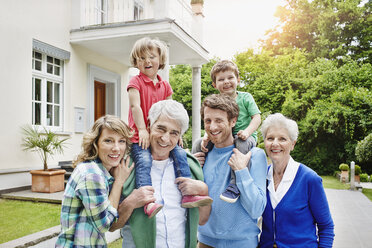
{"x": 316, "y": 69}
{"x": 324, "y": 28}
{"x": 363, "y": 152}
{"x": 331, "y": 103}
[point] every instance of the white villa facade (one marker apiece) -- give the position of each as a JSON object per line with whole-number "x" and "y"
{"x": 65, "y": 62}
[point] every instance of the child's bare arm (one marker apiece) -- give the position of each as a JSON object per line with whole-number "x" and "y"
{"x": 204, "y": 142}
{"x": 253, "y": 125}
{"x": 135, "y": 106}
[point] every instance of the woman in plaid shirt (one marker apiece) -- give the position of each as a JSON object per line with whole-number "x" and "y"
{"x": 92, "y": 194}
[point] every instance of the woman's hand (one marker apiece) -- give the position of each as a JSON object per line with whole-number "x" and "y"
{"x": 238, "y": 160}
{"x": 123, "y": 170}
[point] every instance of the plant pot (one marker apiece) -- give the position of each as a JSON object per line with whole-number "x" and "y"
{"x": 357, "y": 178}
{"x": 48, "y": 181}
{"x": 197, "y": 8}
{"x": 344, "y": 176}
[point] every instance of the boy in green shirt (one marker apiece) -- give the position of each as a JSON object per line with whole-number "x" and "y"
{"x": 225, "y": 78}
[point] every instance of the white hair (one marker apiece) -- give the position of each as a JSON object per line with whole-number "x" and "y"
{"x": 279, "y": 120}
{"x": 171, "y": 109}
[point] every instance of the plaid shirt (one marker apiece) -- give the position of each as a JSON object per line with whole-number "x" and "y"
{"x": 86, "y": 211}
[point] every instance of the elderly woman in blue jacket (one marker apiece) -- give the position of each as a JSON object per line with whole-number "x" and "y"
{"x": 297, "y": 212}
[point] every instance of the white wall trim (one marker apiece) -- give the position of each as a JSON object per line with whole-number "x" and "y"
{"x": 102, "y": 75}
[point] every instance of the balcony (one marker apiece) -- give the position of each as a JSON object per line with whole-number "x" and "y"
{"x": 111, "y": 27}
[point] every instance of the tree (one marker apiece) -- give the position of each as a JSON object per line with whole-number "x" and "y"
{"x": 363, "y": 152}
{"x": 324, "y": 28}
{"x": 331, "y": 103}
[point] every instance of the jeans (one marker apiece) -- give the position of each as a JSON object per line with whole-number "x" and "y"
{"x": 143, "y": 163}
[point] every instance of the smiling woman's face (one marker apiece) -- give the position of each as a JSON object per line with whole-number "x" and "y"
{"x": 278, "y": 145}
{"x": 111, "y": 148}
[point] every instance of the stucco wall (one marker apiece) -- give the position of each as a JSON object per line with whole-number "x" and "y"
{"x": 48, "y": 21}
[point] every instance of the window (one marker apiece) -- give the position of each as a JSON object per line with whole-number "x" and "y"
{"x": 101, "y": 10}
{"x": 138, "y": 11}
{"x": 47, "y": 83}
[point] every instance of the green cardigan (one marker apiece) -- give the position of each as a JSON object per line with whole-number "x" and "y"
{"x": 144, "y": 229}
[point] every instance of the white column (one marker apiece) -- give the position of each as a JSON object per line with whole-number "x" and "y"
{"x": 196, "y": 102}
{"x": 197, "y": 24}
{"x": 352, "y": 175}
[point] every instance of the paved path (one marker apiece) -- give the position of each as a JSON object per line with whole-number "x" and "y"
{"x": 352, "y": 215}
{"x": 35, "y": 196}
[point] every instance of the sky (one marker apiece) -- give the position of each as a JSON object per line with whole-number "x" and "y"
{"x": 232, "y": 26}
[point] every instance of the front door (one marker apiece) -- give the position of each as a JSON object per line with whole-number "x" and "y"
{"x": 99, "y": 99}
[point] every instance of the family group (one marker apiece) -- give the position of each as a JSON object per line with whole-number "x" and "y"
{"x": 137, "y": 177}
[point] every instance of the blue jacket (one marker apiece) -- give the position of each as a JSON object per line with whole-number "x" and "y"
{"x": 301, "y": 213}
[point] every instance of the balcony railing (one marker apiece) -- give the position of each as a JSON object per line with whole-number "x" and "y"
{"x": 101, "y": 12}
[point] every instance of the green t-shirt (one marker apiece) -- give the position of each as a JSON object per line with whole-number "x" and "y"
{"x": 247, "y": 108}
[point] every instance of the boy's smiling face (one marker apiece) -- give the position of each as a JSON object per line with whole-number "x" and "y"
{"x": 226, "y": 82}
{"x": 148, "y": 64}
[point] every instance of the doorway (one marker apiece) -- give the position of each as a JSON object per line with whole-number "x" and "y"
{"x": 103, "y": 94}
{"x": 99, "y": 99}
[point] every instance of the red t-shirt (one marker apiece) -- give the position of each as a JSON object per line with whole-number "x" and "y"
{"x": 149, "y": 94}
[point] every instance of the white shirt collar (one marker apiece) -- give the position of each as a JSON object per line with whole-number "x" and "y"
{"x": 284, "y": 185}
{"x": 290, "y": 171}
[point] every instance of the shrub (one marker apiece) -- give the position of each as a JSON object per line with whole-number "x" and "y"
{"x": 358, "y": 170}
{"x": 187, "y": 139}
{"x": 363, "y": 150}
{"x": 363, "y": 177}
{"x": 336, "y": 173}
{"x": 344, "y": 167}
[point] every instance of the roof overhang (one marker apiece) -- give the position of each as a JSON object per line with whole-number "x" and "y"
{"x": 116, "y": 40}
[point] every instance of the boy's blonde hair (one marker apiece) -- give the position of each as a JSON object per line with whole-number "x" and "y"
{"x": 222, "y": 66}
{"x": 144, "y": 46}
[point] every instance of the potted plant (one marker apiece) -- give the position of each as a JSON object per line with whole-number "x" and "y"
{"x": 46, "y": 144}
{"x": 344, "y": 168}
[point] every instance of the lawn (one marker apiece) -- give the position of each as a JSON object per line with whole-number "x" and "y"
{"x": 331, "y": 182}
{"x": 368, "y": 193}
{"x": 20, "y": 218}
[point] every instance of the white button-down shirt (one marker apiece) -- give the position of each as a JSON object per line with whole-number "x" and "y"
{"x": 284, "y": 185}
{"x": 171, "y": 220}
